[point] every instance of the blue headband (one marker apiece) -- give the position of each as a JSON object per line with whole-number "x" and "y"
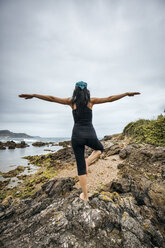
{"x": 81, "y": 84}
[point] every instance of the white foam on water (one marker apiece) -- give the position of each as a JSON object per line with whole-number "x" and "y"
{"x": 29, "y": 140}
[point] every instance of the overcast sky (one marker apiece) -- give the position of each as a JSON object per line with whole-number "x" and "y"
{"x": 47, "y": 46}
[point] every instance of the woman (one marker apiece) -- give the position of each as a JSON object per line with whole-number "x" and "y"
{"x": 83, "y": 132}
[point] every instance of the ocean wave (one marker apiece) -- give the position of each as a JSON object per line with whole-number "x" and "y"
{"x": 30, "y": 140}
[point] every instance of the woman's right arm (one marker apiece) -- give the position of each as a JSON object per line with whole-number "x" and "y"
{"x": 96, "y": 100}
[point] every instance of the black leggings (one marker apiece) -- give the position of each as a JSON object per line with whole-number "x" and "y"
{"x": 78, "y": 145}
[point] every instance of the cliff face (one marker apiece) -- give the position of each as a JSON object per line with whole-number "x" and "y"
{"x": 126, "y": 212}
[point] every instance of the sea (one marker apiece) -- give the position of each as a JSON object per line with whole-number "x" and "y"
{"x": 11, "y": 158}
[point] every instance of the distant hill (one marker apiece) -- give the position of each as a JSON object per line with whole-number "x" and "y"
{"x": 8, "y": 134}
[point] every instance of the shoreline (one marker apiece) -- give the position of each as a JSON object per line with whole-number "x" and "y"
{"x": 61, "y": 163}
{"x": 13, "y": 177}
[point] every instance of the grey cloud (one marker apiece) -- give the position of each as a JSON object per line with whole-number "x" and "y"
{"x": 46, "y": 47}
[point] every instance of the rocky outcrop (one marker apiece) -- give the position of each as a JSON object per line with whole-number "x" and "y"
{"x": 142, "y": 174}
{"x": 12, "y": 145}
{"x": 40, "y": 143}
{"x": 55, "y": 216}
{"x": 127, "y": 212}
{"x": 65, "y": 143}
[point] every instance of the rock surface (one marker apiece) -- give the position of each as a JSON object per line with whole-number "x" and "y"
{"x": 129, "y": 211}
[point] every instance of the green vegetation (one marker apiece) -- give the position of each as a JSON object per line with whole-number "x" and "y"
{"x": 13, "y": 173}
{"x": 147, "y": 131}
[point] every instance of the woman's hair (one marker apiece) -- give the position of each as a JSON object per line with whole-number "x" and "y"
{"x": 81, "y": 97}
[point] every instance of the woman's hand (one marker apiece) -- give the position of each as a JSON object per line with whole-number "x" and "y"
{"x": 132, "y": 93}
{"x": 26, "y": 96}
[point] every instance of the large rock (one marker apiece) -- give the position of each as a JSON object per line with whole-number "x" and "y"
{"x": 65, "y": 143}
{"x": 39, "y": 143}
{"x": 107, "y": 137}
{"x": 58, "y": 187}
{"x": 2, "y": 146}
{"x": 22, "y": 144}
{"x": 112, "y": 150}
{"x": 11, "y": 144}
{"x": 156, "y": 194}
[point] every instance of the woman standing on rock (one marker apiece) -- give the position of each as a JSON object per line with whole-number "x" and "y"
{"x": 83, "y": 132}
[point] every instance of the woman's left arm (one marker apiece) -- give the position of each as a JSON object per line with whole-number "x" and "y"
{"x": 66, "y": 101}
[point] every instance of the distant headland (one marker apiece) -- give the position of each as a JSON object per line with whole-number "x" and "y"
{"x": 9, "y": 134}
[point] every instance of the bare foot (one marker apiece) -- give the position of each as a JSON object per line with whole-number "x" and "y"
{"x": 82, "y": 197}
